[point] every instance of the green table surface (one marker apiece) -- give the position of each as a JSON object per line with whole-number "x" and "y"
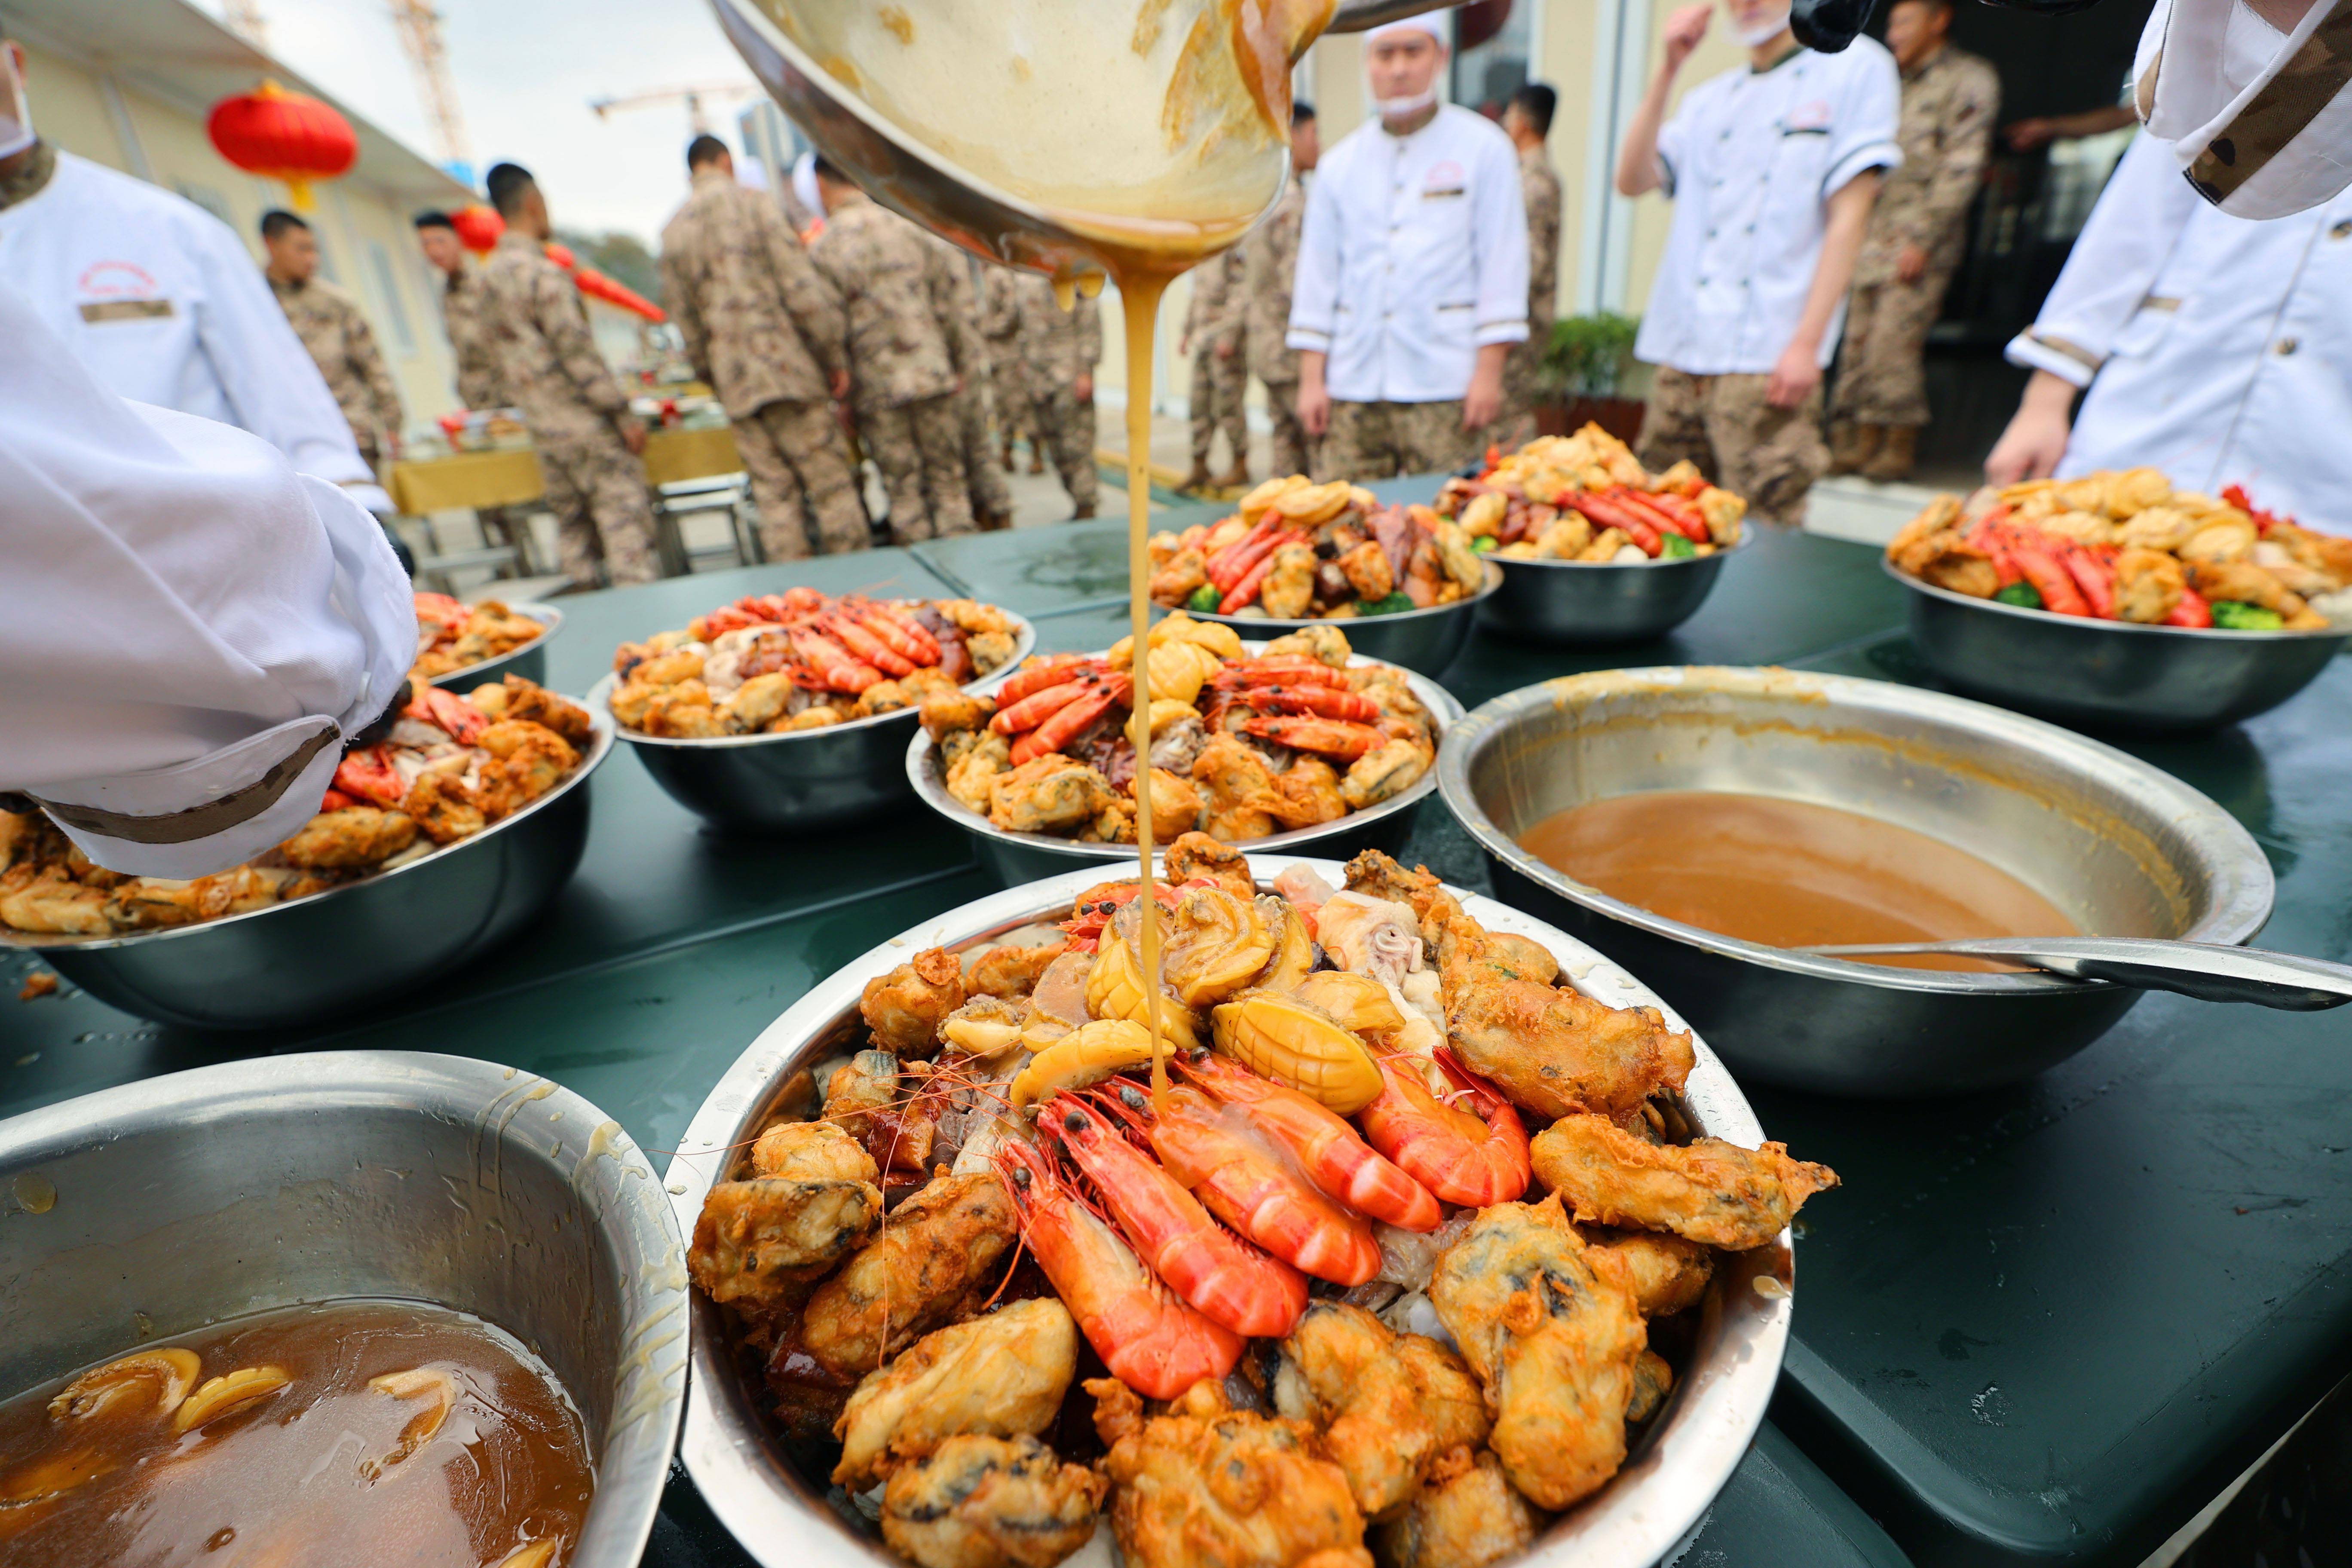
{"x": 2047, "y": 1323}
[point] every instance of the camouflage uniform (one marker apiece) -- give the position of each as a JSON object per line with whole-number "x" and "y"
{"x": 766, "y": 330}
{"x": 1269, "y": 261}
{"x": 572, "y": 406}
{"x": 1372, "y": 441}
{"x": 466, "y": 314}
{"x": 1949, "y": 104}
{"x": 329, "y": 322}
{"x": 904, "y": 340}
{"x": 1058, "y": 346}
{"x": 1540, "y": 190}
{"x": 992, "y": 498}
{"x": 1000, "y": 330}
{"x": 1215, "y": 321}
{"x": 1776, "y": 454}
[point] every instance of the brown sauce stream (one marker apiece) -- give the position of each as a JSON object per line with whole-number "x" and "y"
{"x": 1788, "y": 873}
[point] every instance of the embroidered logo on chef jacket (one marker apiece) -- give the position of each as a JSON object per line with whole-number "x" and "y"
{"x": 120, "y": 291}
{"x": 1446, "y": 178}
{"x": 1808, "y": 119}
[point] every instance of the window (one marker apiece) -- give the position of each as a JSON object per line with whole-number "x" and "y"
{"x": 1492, "y": 42}
{"x": 404, "y": 335}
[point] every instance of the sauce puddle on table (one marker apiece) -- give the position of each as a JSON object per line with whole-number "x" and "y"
{"x": 383, "y": 1435}
{"x": 1788, "y": 873}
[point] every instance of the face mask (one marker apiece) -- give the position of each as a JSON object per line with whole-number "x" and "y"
{"x": 1756, "y": 34}
{"x": 1404, "y": 108}
{"x": 16, "y": 116}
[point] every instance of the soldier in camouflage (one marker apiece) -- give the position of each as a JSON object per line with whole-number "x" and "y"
{"x": 992, "y": 496}
{"x": 1000, "y": 330}
{"x": 1269, "y": 261}
{"x": 1059, "y": 350}
{"x": 329, "y": 322}
{"x": 766, "y": 330}
{"x": 589, "y": 447}
{"x": 1214, "y": 333}
{"x": 464, "y": 312}
{"x": 907, "y": 336}
{"x": 1527, "y": 121}
{"x": 1950, "y": 102}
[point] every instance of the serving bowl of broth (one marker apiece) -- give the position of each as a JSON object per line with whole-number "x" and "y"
{"x": 351, "y": 1307}
{"x": 1698, "y": 824}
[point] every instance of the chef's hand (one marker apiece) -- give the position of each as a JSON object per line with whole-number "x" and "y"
{"x": 1911, "y": 263}
{"x": 1686, "y": 26}
{"x": 1484, "y": 398}
{"x": 1794, "y": 377}
{"x": 2036, "y": 437}
{"x": 633, "y": 436}
{"x": 1314, "y": 400}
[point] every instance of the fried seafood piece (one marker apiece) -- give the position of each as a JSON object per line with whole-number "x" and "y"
{"x": 144, "y": 902}
{"x": 936, "y": 1258}
{"x": 1323, "y": 642}
{"x": 355, "y": 836}
{"x": 944, "y": 713}
{"x": 1052, "y": 794}
{"x": 1208, "y": 1487}
{"x": 1389, "y": 1405}
{"x": 1711, "y": 1192}
{"x": 864, "y": 1098}
{"x": 1376, "y": 875}
{"x": 1466, "y": 1516}
{"x": 1009, "y": 971}
{"x": 1175, "y": 803}
{"x": 1550, "y": 1327}
{"x": 976, "y": 761}
{"x": 1238, "y": 789}
{"x": 1667, "y": 1274}
{"x": 1654, "y": 1381}
{"x": 1309, "y": 793}
{"x": 533, "y": 703}
{"x": 444, "y": 808}
{"x": 758, "y": 702}
{"x": 986, "y": 1027}
{"x": 54, "y": 905}
{"x": 2249, "y": 583}
{"x": 990, "y": 1502}
{"x": 530, "y": 760}
{"x": 905, "y": 1007}
{"x": 1384, "y": 773}
{"x": 2148, "y": 584}
{"x": 1002, "y": 1375}
{"x": 810, "y": 1199}
{"x": 1193, "y": 857}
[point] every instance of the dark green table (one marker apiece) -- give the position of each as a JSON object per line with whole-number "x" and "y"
{"x": 2048, "y": 1323}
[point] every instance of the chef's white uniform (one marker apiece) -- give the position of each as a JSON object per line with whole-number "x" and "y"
{"x": 2218, "y": 349}
{"x": 1413, "y": 255}
{"x": 160, "y": 300}
{"x": 188, "y": 627}
{"x": 2258, "y": 120}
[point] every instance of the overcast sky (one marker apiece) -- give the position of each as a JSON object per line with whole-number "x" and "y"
{"x": 525, "y": 71}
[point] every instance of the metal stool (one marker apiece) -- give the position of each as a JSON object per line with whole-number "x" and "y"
{"x": 729, "y": 493}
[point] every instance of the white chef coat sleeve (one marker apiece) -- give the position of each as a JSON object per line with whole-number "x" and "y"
{"x": 272, "y": 381}
{"x": 1865, "y": 124}
{"x": 1675, "y": 141}
{"x": 1314, "y": 287}
{"x": 1499, "y": 232}
{"x": 2257, "y": 120}
{"x": 188, "y": 627}
{"x": 2113, "y": 264}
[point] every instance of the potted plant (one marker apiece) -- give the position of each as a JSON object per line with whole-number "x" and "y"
{"x": 1584, "y": 368}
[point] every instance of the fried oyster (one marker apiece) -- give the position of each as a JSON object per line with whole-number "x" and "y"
{"x": 1711, "y": 1192}
{"x": 934, "y": 1259}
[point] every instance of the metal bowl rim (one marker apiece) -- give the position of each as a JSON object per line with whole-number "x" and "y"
{"x": 1440, "y": 701}
{"x": 549, "y": 617}
{"x": 2082, "y": 622}
{"x": 2245, "y": 884}
{"x": 599, "y": 697}
{"x": 1652, "y": 564}
{"x": 738, "y": 1474}
{"x": 597, "y": 752}
{"x": 1494, "y": 583}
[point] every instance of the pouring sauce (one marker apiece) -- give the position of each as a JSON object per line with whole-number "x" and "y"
{"x": 352, "y": 1434}
{"x": 1788, "y": 873}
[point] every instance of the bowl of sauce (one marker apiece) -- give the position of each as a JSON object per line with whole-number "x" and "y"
{"x": 351, "y": 1308}
{"x": 1698, "y": 824}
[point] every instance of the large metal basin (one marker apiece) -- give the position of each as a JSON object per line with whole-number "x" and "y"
{"x": 1423, "y": 640}
{"x": 1578, "y": 602}
{"x": 782, "y": 1517}
{"x": 198, "y": 1196}
{"x": 2111, "y": 673}
{"x": 338, "y": 951}
{"x": 1016, "y": 857}
{"x": 529, "y": 660}
{"x": 802, "y": 782}
{"x": 2122, "y": 849}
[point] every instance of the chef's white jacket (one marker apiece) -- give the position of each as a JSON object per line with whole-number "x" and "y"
{"x": 1412, "y": 257}
{"x": 2234, "y": 97}
{"x": 160, "y": 300}
{"x": 188, "y": 627}
{"x": 1751, "y": 159}
{"x": 2218, "y": 349}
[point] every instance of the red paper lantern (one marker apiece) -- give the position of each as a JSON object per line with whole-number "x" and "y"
{"x": 283, "y": 135}
{"x": 598, "y": 286}
{"x": 559, "y": 254}
{"x": 478, "y": 228}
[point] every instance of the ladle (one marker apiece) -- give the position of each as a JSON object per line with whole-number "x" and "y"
{"x": 2207, "y": 971}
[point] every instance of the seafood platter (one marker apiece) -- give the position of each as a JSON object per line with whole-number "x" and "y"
{"x": 2115, "y": 598}
{"x": 462, "y": 646}
{"x": 430, "y": 847}
{"x": 788, "y": 712}
{"x": 1593, "y": 547}
{"x": 1296, "y": 740}
{"x": 979, "y": 1281}
{"x": 1404, "y": 579}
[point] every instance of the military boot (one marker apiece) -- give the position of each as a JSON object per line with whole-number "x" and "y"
{"x": 1200, "y": 478}
{"x": 1851, "y": 446}
{"x": 1893, "y": 459}
{"x": 1233, "y": 479}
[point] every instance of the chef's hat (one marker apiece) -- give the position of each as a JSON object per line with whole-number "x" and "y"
{"x": 1430, "y": 22}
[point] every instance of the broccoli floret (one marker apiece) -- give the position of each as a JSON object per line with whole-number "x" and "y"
{"x": 2021, "y": 594}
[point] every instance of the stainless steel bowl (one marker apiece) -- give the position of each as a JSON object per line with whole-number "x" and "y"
{"x": 797, "y": 782}
{"x": 782, "y": 1517}
{"x": 529, "y": 660}
{"x": 338, "y": 951}
{"x": 1015, "y": 857}
{"x": 1587, "y": 603}
{"x": 2120, "y": 847}
{"x": 1424, "y": 640}
{"x": 2110, "y": 672}
{"x": 184, "y": 1200}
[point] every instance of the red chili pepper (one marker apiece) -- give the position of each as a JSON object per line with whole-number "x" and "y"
{"x": 2192, "y": 610}
{"x": 1232, "y": 562}
{"x": 1242, "y": 592}
{"x": 1608, "y": 515}
{"x": 2095, "y": 577}
{"x": 2039, "y": 567}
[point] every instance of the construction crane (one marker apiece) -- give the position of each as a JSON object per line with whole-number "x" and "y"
{"x": 419, "y": 25}
{"x": 244, "y": 19}
{"x": 692, "y": 95}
